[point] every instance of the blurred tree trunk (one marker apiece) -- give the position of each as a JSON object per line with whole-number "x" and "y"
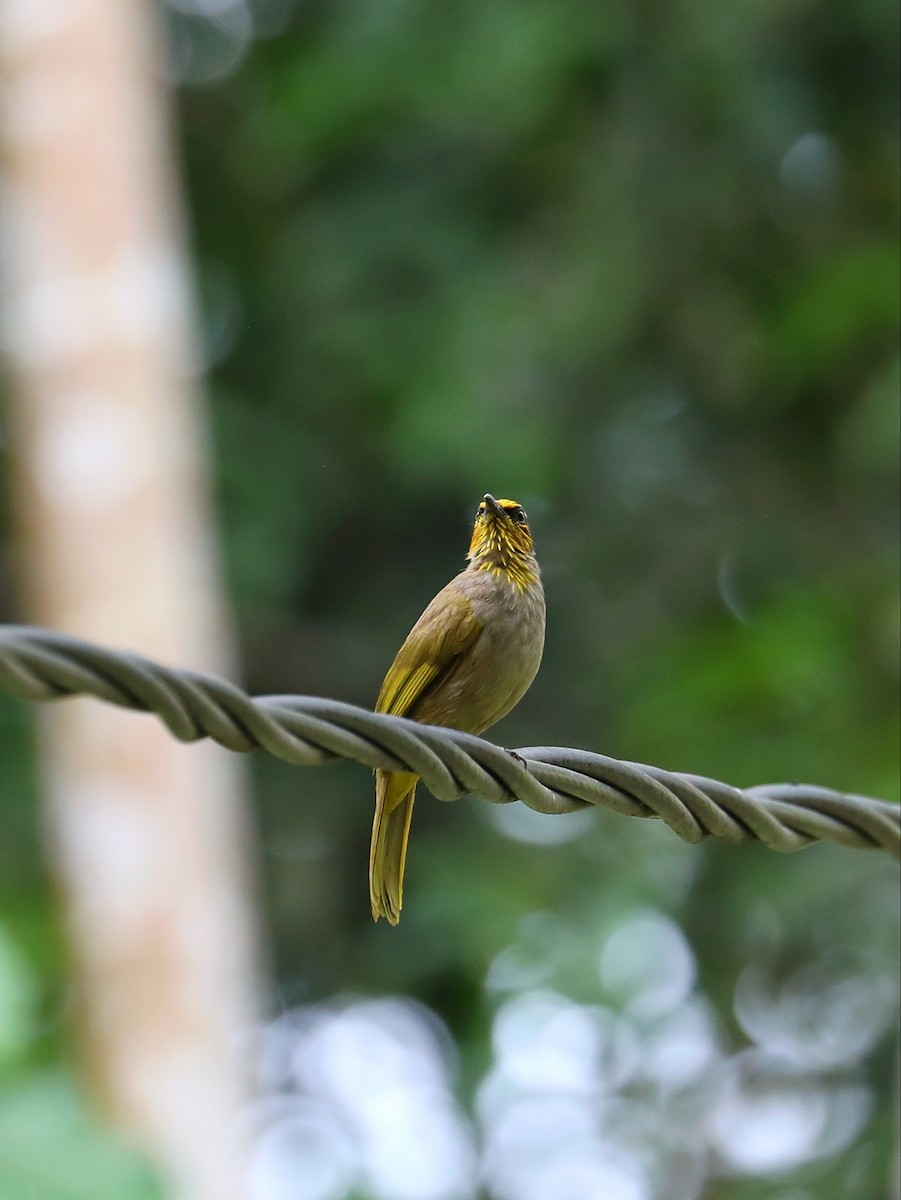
{"x": 115, "y": 537}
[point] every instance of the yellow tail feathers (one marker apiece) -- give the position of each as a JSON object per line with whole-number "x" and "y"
{"x": 394, "y": 795}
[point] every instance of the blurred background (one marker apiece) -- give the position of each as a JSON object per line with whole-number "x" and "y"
{"x": 637, "y": 267}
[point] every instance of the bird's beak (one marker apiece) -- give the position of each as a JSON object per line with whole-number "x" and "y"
{"x": 492, "y": 506}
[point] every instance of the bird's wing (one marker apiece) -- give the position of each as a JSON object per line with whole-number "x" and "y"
{"x": 446, "y": 630}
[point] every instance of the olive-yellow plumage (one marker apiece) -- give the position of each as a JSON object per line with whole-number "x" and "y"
{"x": 466, "y": 662}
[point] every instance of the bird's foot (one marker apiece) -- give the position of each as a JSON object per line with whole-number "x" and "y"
{"x": 519, "y": 758}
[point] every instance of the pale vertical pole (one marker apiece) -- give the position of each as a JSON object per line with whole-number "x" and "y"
{"x": 112, "y": 506}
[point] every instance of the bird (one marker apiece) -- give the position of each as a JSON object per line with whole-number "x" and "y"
{"x": 467, "y": 661}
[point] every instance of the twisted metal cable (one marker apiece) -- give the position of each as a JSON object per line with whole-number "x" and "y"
{"x": 37, "y": 664}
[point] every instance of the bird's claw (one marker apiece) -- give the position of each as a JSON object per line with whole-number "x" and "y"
{"x": 519, "y": 758}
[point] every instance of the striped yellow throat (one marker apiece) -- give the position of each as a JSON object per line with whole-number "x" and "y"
{"x": 466, "y": 662}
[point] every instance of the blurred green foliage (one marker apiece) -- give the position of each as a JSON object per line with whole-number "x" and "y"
{"x": 637, "y": 266}
{"x": 49, "y": 1148}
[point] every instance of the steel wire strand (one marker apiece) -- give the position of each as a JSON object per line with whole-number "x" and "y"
{"x": 38, "y": 664}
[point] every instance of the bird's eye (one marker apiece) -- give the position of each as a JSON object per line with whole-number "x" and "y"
{"x": 518, "y": 515}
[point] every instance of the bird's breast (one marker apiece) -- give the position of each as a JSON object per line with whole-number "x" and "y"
{"x": 497, "y": 671}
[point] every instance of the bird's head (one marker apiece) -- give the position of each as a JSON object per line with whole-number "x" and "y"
{"x": 502, "y": 541}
